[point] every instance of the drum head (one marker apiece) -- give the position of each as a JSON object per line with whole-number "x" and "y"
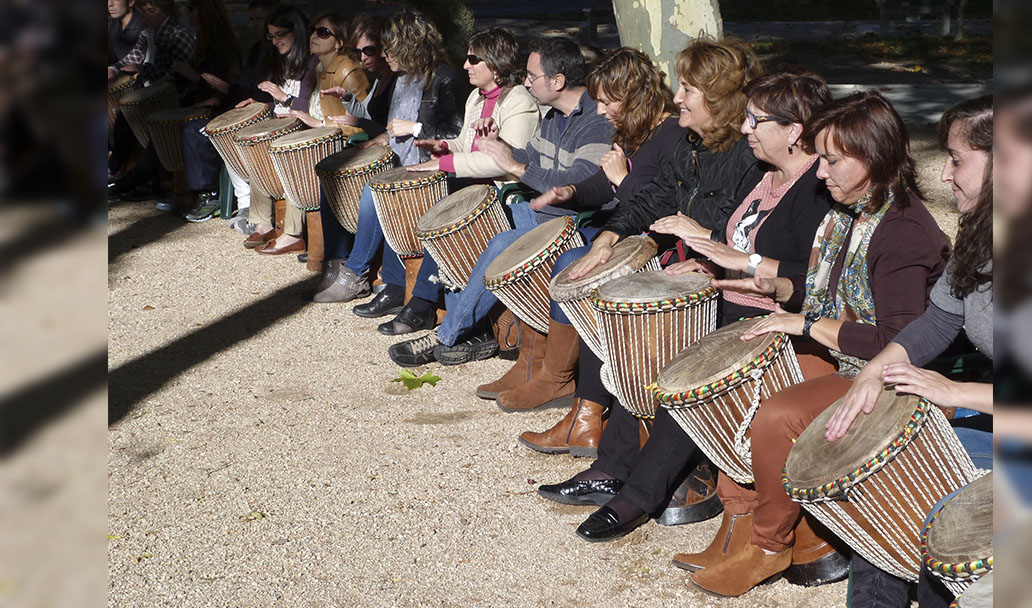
{"x": 649, "y": 287}
{"x": 815, "y": 462}
{"x": 629, "y": 255}
{"x": 963, "y": 530}
{"x": 305, "y": 138}
{"x": 978, "y": 595}
{"x": 525, "y": 248}
{"x": 454, "y": 207}
{"x": 268, "y": 129}
{"x": 120, "y": 82}
{"x": 353, "y": 158}
{"x": 236, "y": 116}
{"x": 400, "y": 177}
{"x": 140, "y": 95}
{"x": 715, "y": 356}
{"x": 178, "y": 115}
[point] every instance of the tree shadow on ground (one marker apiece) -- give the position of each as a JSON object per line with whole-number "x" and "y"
{"x": 142, "y": 231}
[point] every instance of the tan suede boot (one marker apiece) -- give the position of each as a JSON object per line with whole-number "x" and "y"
{"x": 748, "y": 567}
{"x": 552, "y": 385}
{"x": 577, "y": 433}
{"x": 532, "y": 355}
{"x": 734, "y": 533}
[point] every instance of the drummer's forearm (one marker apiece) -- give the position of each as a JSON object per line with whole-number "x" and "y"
{"x": 977, "y": 396}
{"x": 607, "y": 238}
{"x": 826, "y": 331}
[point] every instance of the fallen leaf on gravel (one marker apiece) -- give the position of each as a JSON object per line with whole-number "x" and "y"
{"x": 412, "y": 382}
{"x": 143, "y": 557}
{"x": 252, "y": 516}
{"x": 148, "y": 307}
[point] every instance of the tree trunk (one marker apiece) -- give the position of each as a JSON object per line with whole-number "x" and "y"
{"x": 961, "y": 9}
{"x": 661, "y": 28}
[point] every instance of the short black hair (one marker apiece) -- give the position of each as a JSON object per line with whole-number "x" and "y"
{"x": 561, "y": 55}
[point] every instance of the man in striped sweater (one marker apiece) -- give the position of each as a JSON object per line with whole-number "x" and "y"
{"x": 571, "y": 141}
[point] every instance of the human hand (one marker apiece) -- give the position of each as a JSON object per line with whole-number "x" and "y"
{"x": 338, "y": 92}
{"x": 597, "y": 256}
{"x": 435, "y": 146}
{"x": 273, "y": 90}
{"x": 614, "y": 165}
{"x": 779, "y": 320}
{"x": 216, "y": 83}
{"x": 132, "y": 68}
{"x": 933, "y": 386}
{"x": 679, "y": 225}
{"x": 398, "y": 128}
{"x": 346, "y": 118}
{"x": 431, "y": 165}
{"x": 861, "y": 397}
{"x": 245, "y": 102}
{"x": 306, "y": 118}
{"x": 485, "y": 128}
{"x": 719, "y": 253}
{"x": 693, "y": 265}
{"x": 501, "y": 153}
{"x": 379, "y": 140}
{"x": 554, "y": 196}
{"x": 761, "y": 288}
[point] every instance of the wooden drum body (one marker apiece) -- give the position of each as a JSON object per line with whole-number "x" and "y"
{"x": 137, "y": 105}
{"x": 117, "y": 89}
{"x": 519, "y": 276}
{"x": 457, "y": 230}
{"x": 166, "y": 129}
{"x": 715, "y": 386}
{"x": 344, "y": 175}
{"x": 646, "y": 319}
{"x": 253, "y": 144}
{"x": 632, "y": 254}
{"x": 874, "y": 486}
{"x": 295, "y": 155}
{"x": 222, "y": 129}
{"x": 957, "y": 541}
{"x": 401, "y": 197}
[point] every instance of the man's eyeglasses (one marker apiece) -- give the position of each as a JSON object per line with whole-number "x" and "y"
{"x": 531, "y": 78}
{"x": 755, "y": 120}
{"x": 322, "y": 32}
{"x": 369, "y": 51}
{"x": 473, "y": 59}
{"x": 278, "y": 35}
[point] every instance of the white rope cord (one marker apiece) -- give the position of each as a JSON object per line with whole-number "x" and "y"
{"x": 168, "y": 143}
{"x": 456, "y": 252}
{"x": 259, "y": 166}
{"x": 344, "y": 193}
{"x": 580, "y": 313}
{"x": 223, "y": 143}
{"x": 399, "y": 210}
{"x": 745, "y": 451}
{"x": 296, "y": 171}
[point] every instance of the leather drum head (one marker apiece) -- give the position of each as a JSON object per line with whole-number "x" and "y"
{"x": 979, "y": 594}
{"x": 353, "y": 158}
{"x": 139, "y": 96}
{"x": 268, "y": 129}
{"x": 963, "y": 531}
{"x": 178, "y": 115}
{"x": 400, "y": 177}
{"x": 629, "y": 255}
{"x": 525, "y": 248}
{"x": 304, "y": 138}
{"x": 714, "y": 356}
{"x": 229, "y": 119}
{"x": 650, "y": 287}
{"x": 454, "y": 207}
{"x": 814, "y": 461}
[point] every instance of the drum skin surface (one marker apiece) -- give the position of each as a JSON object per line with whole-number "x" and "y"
{"x": 453, "y": 208}
{"x": 652, "y": 287}
{"x": 962, "y": 532}
{"x": 525, "y": 248}
{"x": 629, "y": 255}
{"x": 236, "y": 116}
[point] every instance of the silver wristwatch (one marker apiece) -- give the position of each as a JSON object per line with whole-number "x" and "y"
{"x": 754, "y": 263}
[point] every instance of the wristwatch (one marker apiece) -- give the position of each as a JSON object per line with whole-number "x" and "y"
{"x": 808, "y": 321}
{"x": 754, "y": 263}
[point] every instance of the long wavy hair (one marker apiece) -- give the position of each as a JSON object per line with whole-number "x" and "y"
{"x": 974, "y": 245}
{"x": 215, "y": 35}
{"x": 629, "y": 76}
{"x": 865, "y": 126}
{"x": 720, "y": 69}
{"x": 279, "y": 68}
{"x": 415, "y": 42}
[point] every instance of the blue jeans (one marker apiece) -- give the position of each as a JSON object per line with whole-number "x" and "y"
{"x": 369, "y": 240}
{"x": 201, "y": 162}
{"x": 336, "y": 240}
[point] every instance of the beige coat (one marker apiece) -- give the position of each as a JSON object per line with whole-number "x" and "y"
{"x": 518, "y": 118}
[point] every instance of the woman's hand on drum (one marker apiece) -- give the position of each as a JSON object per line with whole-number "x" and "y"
{"x": 132, "y": 68}
{"x": 719, "y": 253}
{"x": 599, "y": 254}
{"x": 273, "y": 90}
{"x": 554, "y": 196}
{"x": 344, "y": 119}
{"x": 379, "y": 140}
{"x": 435, "y": 146}
{"x": 614, "y": 165}
{"x": 778, "y": 289}
{"x": 431, "y": 165}
{"x": 679, "y": 225}
{"x": 306, "y": 118}
{"x": 211, "y": 102}
{"x": 245, "y": 102}
{"x": 111, "y": 73}
{"x": 694, "y": 265}
{"x": 397, "y": 128}
{"x": 338, "y": 92}
{"x": 785, "y": 322}
{"x": 861, "y": 397}
{"x": 933, "y": 386}
{"x": 501, "y": 153}
{"x": 215, "y": 82}
{"x": 185, "y": 70}
{"x": 485, "y": 128}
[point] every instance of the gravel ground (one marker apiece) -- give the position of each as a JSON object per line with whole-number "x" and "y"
{"x": 261, "y": 456}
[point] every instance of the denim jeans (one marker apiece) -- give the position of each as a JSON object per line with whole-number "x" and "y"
{"x": 369, "y": 240}
{"x": 337, "y": 241}
{"x": 201, "y": 162}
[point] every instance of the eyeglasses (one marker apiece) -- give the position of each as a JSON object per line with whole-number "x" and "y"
{"x": 531, "y": 78}
{"x": 369, "y": 51}
{"x": 321, "y": 32}
{"x": 278, "y": 35}
{"x": 473, "y": 59}
{"x": 755, "y": 120}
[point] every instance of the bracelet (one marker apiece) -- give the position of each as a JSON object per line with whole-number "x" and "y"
{"x": 808, "y": 322}
{"x": 289, "y": 100}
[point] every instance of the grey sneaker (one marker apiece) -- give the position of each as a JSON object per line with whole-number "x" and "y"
{"x": 241, "y": 225}
{"x": 206, "y": 208}
{"x": 415, "y": 352}
{"x": 330, "y": 270}
{"x": 345, "y": 288}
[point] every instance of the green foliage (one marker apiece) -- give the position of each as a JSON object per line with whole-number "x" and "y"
{"x": 455, "y": 21}
{"x": 412, "y": 381}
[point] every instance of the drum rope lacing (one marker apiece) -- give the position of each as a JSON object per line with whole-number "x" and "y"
{"x": 457, "y": 247}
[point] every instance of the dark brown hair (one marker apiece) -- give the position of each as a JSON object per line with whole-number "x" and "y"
{"x": 165, "y": 6}
{"x": 500, "y": 48}
{"x": 789, "y": 94}
{"x": 215, "y": 37}
{"x": 415, "y": 42}
{"x": 866, "y": 127}
{"x": 341, "y": 31}
{"x": 720, "y": 70}
{"x": 974, "y": 245}
{"x": 364, "y": 24}
{"x": 629, "y": 76}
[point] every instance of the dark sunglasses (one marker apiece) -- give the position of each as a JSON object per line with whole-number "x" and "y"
{"x": 473, "y": 59}
{"x": 321, "y": 32}
{"x": 368, "y": 51}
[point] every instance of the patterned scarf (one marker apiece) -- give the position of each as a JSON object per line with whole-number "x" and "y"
{"x": 853, "y": 299}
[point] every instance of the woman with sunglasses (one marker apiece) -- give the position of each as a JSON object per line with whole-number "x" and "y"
{"x": 371, "y": 113}
{"x": 425, "y": 102}
{"x": 338, "y": 68}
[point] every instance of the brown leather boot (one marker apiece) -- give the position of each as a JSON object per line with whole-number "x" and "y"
{"x": 313, "y": 225}
{"x": 817, "y": 555}
{"x": 734, "y": 533}
{"x": 744, "y": 569}
{"x": 577, "y": 433}
{"x": 552, "y": 385}
{"x": 695, "y": 499}
{"x": 532, "y": 355}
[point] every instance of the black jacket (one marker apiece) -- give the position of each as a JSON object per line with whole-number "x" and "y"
{"x": 443, "y": 106}
{"x": 706, "y": 186}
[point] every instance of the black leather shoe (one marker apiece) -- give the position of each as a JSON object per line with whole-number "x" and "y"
{"x": 476, "y": 348}
{"x": 383, "y": 304}
{"x": 603, "y": 525}
{"x": 407, "y": 322}
{"x": 302, "y": 258}
{"x": 415, "y": 352}
{"x": 588, "y": 492}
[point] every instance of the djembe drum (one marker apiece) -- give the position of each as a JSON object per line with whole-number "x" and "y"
{"x": 294, "y": 157}
{"x": 519, "y": 276}
{"x": 978, "y": 595}
{"x": 166, "y": 130}
{"x": 457, "y": 230}
{"x": 222, "y": 129}
{"x": 873, "y": 487}
{"x": 401, "y": 197}
{"x": 645, "y": 319}
{"x": 253, "y": 144}
{"x": 715, "y": 386}
{"x": 957, "y": 541}
{"x": 117, "y": 89}
{"x": 632, "y": 254}
{"x": 137, "y": 105}
{"x": 344, "y": 174}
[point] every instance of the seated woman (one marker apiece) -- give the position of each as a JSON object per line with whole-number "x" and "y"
{"x": 875, "y": 258}
{"x": 770, "y": 235}
{"x": 425, "y": 101}
{"x": 960, "y": 300}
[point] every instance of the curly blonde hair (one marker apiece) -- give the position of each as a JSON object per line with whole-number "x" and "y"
{"x": 415, "y": 43}
{"x": 720, "y": 69}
